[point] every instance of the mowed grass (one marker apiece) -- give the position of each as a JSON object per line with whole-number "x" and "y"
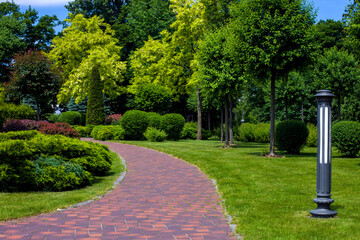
{"x": 270, "y": 198}
{"x": 23, "y": 204}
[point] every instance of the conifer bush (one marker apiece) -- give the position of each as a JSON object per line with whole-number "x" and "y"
{"x": 346, "y": 138}
{"x": 290, "y": 136}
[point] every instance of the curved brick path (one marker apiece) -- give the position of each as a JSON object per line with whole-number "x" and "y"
{"x": 161, "y": 197}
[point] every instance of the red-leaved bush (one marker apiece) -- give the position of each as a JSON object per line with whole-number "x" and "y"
{"x": 14, "y": 125}
{"x": 113, "y": 118}
{"x": 58, "y": 128}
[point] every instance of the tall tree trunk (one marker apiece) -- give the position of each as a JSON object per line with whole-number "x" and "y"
{"x": 209, "y": 119}
{"x": 302, "y": 112}
{"x": 339, "y": 109}
{"x": 37, "y": 111}
{"x": 272, "y": 116}
{"x": 222, "y": 125}
{"x": 226, "y": 124}
{"x": 199, "y": 125}
{"x": 231, "y": 122}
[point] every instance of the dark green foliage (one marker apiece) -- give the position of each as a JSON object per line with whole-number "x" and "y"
{"x": 84, "y": 131}
{"x": 245, "y": 132}
{"x": 19, "y": 135}
{"x": 70, "y": 117}
{"x": 153, "y": 98}
{"x": 155, "y": 135}
{"x": 135, "y": 123}
{"x": 290, "y": 136}
{"x": 173, "y": 124}
{"x": 12, "y": 111}
{"x": 55, "y": 174}
{"x": 95, "y": 107}
{"x": 346, "y": 138}
{"x": 206, "y": 134}
{"x": 154, "y": 120}
{"x": 311, "y": 140}
{"x": 112, "y": 132}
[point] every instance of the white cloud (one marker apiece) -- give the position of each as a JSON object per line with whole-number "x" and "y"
{"x": 42, "y": 3}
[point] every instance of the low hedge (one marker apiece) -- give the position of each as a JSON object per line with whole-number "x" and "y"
{"x": 84, "y": 131}
{"x": 346, "y": 138}
{"x": 18, "y": 159}
{"x": 112, "y": 132}
{"x": 249, "y": 132}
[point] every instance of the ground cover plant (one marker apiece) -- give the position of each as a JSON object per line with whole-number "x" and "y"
{"x": 270, "y": 198}
{"x": 24, "y": 204}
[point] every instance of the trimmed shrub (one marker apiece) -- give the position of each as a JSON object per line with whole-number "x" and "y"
{"x": 172, "y": 124}
{"x": 153, "y": 98}
{"x": 189, "y": 131}
{"x": 154, "y": 120}
{"x": 346, "y": 138}
{"x": 83, "y": 131}
{"x": 155, "y": 135}
{"x": 18, "y": 158}
{"x": 245, "y": 132}
{"x": 113, "y": 119}
{"x": 290, "y": 136}
{"x": 135, "y": 123}
{"x": 14, "y": 125}
{"x": 12, "y": 111}
{"x": 113, "y": 132}
{"x": 311, "y": 140}
{"x": 261, "y": 132}
{"x": 54, "y": 174}
{"x": 20, "y": 135}
{"x": 70, "y": 117}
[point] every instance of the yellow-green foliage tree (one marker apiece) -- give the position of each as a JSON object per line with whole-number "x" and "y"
{"x": 90, "y": 59}
{"x": 171, "y": 61}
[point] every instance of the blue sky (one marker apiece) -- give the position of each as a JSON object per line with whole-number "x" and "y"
{"x": 326, "y": 9}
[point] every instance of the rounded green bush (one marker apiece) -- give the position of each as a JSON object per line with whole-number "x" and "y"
{"x": 155, "y": 135}
{"x": 134, "y": 123}
{"x": 189, "y": 131}
{"x": 154, "y": 120}
{"x": 311, "y": 141}
{"x": 346, "y": 138}
{"x": 290, "y": 136}
{"x": 70, "y": 117}
{"x": 245, "y": 132}
{"x": 172, "y": 124}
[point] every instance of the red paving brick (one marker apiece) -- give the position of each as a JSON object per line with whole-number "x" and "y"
{"x": 160, "y": 198}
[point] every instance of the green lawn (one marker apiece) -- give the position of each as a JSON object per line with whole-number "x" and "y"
{"x": 23, "y": 204}
{"x": 270, "y": 198}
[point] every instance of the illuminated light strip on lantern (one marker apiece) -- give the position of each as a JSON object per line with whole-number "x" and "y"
{"x": 321, "y": 134}
{"x": 326, "y": 128}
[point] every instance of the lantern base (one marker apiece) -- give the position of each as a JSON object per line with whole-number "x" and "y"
{"x": 323, "y": 210}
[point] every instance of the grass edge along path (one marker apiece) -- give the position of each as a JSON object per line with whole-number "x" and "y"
{"x": 270, "y": 198}
{"x": 24, "y": 204}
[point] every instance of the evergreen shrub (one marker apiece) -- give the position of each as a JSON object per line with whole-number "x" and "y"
{"x": 70, "y": 117}
{"x": 84, "y": 131}
{"x": 311, "y": 140}
{"x": 20, "y": 135}
{"x": 261, "y": 132}
{"x": 154, "y": 120}
{"x": 290, "y": 136}
{"x": 172, "y": 124}
{"x": 245, "y": 132}
{"x": 134, "y": 123}
{"x": 112, "y": 132}
{"x": 12, "y": 111}
{"x": 346, "y": 138}
{"x": 155, "y": 135}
